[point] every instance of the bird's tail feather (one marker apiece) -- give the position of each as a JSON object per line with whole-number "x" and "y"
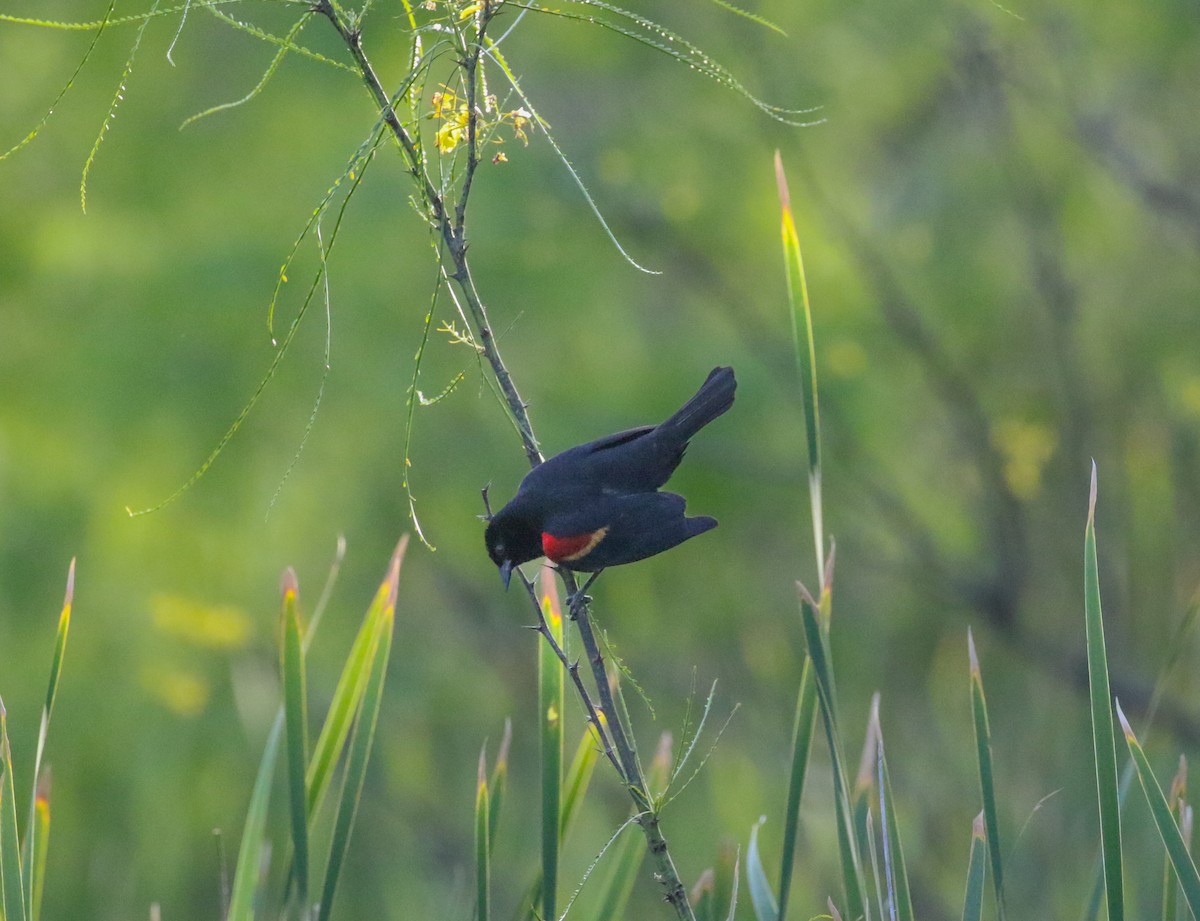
{"x": 714, "y": 397}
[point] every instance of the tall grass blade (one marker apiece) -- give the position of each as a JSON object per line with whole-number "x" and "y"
{"x": 761, "y": 897}
{"x": 296, "y": 719}
{"x": 348, "y": 694}
{"x": 498, "y": 784}
{"x": 976, "y": 871}
{"x": 1178, "y": 805}
{"x": 578, "y": 778}
{"x": 483, "y": 861}
{"x": 32, "y": 844}
{"x": 1103, "y": 734}
{"x": 899, "y": 893}
{"x": 246, "y": 876}
{"x": 806, "y": 355}
{"x": 552, "y": 701}
{"x": 36, "y": 870}
{"x": 1168, "y": 831}
{"x": 802, "y": 733}
{"x": 382, "y": 620}
{"x": 987, "y": 786}
{"x": 852, "y": 876}
{"x": 733, "y": 887}
{"x": 10, "y": 845}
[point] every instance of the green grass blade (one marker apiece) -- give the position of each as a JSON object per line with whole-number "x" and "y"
{"x": 551, "y": 703}
{"x": 296, "y": 720}
{"x": 348, "y": 694}
{"x": 851, "y": 863}
{"x": 806, "y": 355}
{"x": 36, "y": 870}
{"x": 976, "y": 871}
{"x": 32, "y": 844}
{"x": 483, "y": 862}
{"x": 498, "y": 784}
{"x": 1168, "y": 831}
{"x": 732, "y": 885}
{"x": 382, "y": 621}
{"x": 899, "y": 893}
{"x": 579, "y": 776}
{"x": 246, "y": 876}
{"x": 987, "y": 787}
{"x": 1180, "y": 812}
{"x": 761, "y": 897}
{"x": 10, "y": 845}
{"x": 1103, "y": 733}
{"x": 802, "y": 733}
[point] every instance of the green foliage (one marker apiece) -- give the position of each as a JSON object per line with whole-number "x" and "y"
{"x": 1004, "y": 267}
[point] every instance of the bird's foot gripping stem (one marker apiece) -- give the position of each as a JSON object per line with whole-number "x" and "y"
{"x": 580, "y": 598}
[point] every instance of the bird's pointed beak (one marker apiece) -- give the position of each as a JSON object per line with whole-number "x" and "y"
{"x": 506, "y": 569}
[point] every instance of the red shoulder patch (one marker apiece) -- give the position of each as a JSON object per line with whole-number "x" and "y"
{"x": 569, "y": 549}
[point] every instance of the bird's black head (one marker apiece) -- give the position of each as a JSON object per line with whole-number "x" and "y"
{"x": 511, "y": 540}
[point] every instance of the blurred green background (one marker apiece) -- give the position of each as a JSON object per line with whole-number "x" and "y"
{"x": 1001, "y": 221}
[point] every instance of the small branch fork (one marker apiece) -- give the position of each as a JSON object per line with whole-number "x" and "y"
{"x": 451, "y": 227}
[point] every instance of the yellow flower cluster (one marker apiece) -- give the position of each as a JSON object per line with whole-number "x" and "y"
{"x": 450, "y": 110}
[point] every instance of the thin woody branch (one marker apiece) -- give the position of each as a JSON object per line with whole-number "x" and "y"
{"x": 451, "y": 227}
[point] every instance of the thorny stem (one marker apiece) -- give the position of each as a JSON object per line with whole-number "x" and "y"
{"x": 452, "y": 229}
{"x": 572, "y": 668}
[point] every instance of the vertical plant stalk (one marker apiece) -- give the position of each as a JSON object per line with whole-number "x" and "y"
{"x": 483, "y": 860}
{"x": 983, "y": 752}
{"x": 851, "y": 860}
{"x": 450, "y": 226}
{"x": 976, "y": 871}
{"x": 551, "y": 695}
{"x": 1172, "y": 838}
{"x": 1103, "y": 734}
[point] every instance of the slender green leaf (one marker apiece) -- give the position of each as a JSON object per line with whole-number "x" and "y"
{"x": 976, "y": 870}
{"x": 382, "y": 620}
{"x": 36, "y": 870}
{"x": 851, "y": 862}
{"x": 1103, "y": 734}
{"x": 761, "y": 897}
{"x": 250, "y": 854}
{"x": 899, "y": 896}
{"x": 498, "y": 784}
{"x": 10, "y": 846}
{"x": 483, "y": 860}
{"x": 579, "y": 775}
{"x": 802, "y": 733}
{"x": 987, "y": 787}
{"x": 32, "y": 844}
{"x": 296, "y": 720}
{"x": 349, "y": 691}
{"x": 733, "y": 886}
{"x": 552, "y": 701}
{"x": 806, "y": 355}
{"x": 1168, "y": 831}
{"x": 1179, "y": 812}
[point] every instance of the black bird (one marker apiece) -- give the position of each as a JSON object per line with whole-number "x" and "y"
{"x": 598, "y": 505}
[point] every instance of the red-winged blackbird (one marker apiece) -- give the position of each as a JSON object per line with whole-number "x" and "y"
{"x": 598, "y": 505}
